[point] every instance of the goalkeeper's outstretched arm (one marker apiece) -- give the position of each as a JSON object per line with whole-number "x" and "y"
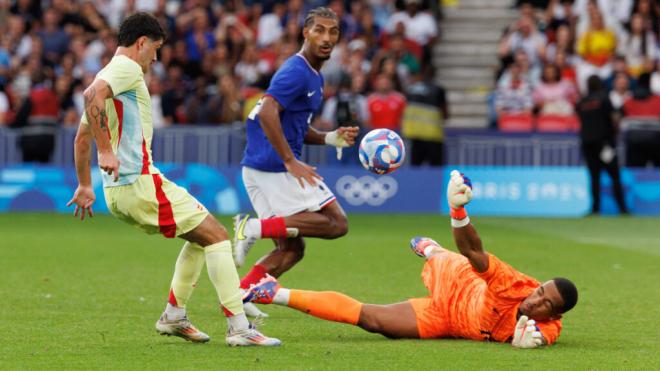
{"x": 469, "y": 244}
{"x": 459, "y": 194}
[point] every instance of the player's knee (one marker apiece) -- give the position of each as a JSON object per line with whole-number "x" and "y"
{"x": 209, "y": 232}
{"x": 294, "y": 250}
{"x": 297, "y": 255}
{"x": 219, "y": 232}
{"x": 299, "y": 252}
{"x": 342, "y": 227}
{"x": 339, "y": 228}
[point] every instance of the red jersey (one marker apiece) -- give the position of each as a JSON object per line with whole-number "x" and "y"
{"x": 386, "y": 110}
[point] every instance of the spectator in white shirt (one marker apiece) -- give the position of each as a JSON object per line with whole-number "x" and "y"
{"x": 620, "y": 90}
{"x": 420, "y": 26}
{"x": 613, "y": 10}
{"x": 156, "y": 91}
{"x": 270, "y": 26}
{"x": 615, "y": 13}
{"x": 515, "y": 97}
{"x": 525, "y": 37}
{"x": 638, "y": 46}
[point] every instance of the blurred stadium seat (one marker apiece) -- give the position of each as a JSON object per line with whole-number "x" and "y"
{"x": 516, "y": 123}
{"x": 556, "y": 123}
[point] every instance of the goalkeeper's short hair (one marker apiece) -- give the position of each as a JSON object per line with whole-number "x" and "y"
{"x": 568, "y": 293}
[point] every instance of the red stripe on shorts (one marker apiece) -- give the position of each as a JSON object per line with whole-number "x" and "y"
{"x": 119, "y": 108}
{"x": 165, "y": 213}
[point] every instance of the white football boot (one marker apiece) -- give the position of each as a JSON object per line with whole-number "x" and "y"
{"x": 250, "y": 337}
{"x": 182, "y": 328}
{"x": 242, "y": 242}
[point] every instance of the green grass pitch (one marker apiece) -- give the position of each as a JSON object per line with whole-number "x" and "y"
{"x": 86, "y": 296}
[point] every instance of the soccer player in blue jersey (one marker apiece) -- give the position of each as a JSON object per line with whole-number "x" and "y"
{"x": 288, "y": 195}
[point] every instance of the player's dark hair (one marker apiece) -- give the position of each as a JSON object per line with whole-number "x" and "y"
{"x": 138, "y": 25}
{"x": 568, "y": 293}
{"x": 322, "y": 12}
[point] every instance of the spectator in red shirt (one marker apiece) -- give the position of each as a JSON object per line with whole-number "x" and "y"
{"x": 385, "y": 105}
{"x": 38, "y": 118}
{"x": 643, "y": 103}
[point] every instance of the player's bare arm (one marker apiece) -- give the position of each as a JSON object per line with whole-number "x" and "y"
{"x": 84, "y": 196}
{"x": 469, "y": 244}
{"x": 459, "y": 194}
{"x": 269, "y": 118}
{"x": 95, "y": 96}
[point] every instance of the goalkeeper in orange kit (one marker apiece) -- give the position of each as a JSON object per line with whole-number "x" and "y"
{"x": 473, "y": 295}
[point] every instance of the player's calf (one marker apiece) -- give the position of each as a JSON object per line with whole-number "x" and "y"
{"x": 394, "y": 321}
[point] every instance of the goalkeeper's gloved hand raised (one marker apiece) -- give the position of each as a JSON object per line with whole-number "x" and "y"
{"x": 459, "y": 190}
{"x": 459, "y": 194}
{"x": 526, "y": 334}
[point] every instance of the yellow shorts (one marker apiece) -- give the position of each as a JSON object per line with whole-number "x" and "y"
{"x": 155, "y": 205}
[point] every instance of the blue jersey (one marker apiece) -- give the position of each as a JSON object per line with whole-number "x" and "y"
{"x": 298, "y": 88}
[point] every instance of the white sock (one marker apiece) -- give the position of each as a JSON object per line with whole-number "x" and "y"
{"x": 253, "y": 228}
{"x": 174, "y": 313}
{"x": 238, "y": 322}
{"x": 282, "y": 297}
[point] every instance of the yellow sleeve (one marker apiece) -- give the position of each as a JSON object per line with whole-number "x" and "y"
{"x": 121, "y": 74}
{"x": 582, "y": 44}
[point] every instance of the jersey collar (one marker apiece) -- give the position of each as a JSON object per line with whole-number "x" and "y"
{"x": 307, "y": 62}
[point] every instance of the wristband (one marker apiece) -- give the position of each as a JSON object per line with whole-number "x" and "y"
{"x": 460, "y": 223}
{"x": 333, "y": 138}
{"x": 458, "y": 213}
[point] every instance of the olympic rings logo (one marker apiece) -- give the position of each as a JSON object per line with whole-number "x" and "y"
{"x": 366, "y": 189}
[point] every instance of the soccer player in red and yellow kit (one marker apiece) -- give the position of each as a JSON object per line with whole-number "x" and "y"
{"x": 118, "y": 118}
{"x": 473, "y": 295}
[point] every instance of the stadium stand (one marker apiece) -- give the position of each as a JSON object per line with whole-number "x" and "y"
{"x": 217, "y": 58}
{"x": 220, "y": 56}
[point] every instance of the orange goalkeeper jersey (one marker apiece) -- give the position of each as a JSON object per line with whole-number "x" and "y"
{"x": 471, "y": 305}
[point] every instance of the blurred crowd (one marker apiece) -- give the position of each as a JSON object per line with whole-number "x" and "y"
{"x": 549, "y": 54}
{"x": 218, "y": 53}
{"x": 218, "y": 58}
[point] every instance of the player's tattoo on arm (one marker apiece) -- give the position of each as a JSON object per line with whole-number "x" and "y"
{"x": 95, "y": 114}
{"x": 103, "y": 119}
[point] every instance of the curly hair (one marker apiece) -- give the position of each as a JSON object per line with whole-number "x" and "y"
{"x": 138, "y": 25}
{"x": 322, "y": 12}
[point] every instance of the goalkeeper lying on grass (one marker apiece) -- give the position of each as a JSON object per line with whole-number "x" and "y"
{"x": 472, "y": 296}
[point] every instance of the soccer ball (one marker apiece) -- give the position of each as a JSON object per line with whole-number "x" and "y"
{"x": 382, "y": 151}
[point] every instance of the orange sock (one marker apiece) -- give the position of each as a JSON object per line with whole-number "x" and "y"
{"x": 327, "y": 305}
